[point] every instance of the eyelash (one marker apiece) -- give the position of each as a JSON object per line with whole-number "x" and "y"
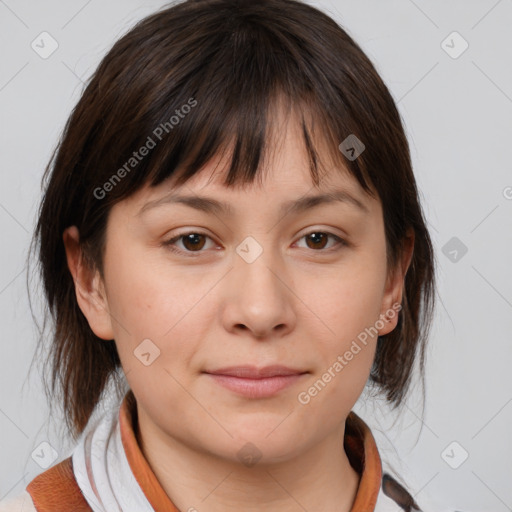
{"x": 169, "y": 243}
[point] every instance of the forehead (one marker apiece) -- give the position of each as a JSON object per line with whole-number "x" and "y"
{"x": 211, "y": 196}
{"x": 286, "y": 188}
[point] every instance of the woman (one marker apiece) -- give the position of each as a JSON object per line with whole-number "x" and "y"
{"x": 231, "y": 232}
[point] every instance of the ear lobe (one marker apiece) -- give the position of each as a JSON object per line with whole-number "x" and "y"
{"x": 89, "y": 286}
{"x": 395, "y": 286}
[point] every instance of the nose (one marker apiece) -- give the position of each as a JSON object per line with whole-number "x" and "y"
{"x": 259, "y": 298}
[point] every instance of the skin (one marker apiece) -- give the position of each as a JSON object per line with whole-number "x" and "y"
{"x": 300, "y": 303}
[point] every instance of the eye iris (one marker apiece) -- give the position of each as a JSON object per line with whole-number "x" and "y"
{"x": 314, "y": 237}
{"x": 192, "y": 241}
{"x": 192, "y": 238}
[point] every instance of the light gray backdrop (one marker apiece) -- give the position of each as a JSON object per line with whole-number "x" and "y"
{"x": 457, "y": 106}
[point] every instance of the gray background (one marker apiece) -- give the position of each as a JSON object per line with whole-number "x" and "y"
{"x": 458, "y": 114}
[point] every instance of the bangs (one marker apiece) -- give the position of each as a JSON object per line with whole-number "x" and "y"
{"x": 252, "y": 74}
{"x": 200, "y": 96}
{"x": 249, "y": 135}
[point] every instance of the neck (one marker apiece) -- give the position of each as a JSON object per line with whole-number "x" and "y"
{"x": 320, "y": 478}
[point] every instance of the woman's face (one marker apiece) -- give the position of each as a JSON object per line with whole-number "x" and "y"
{"x": 258, "y": 282}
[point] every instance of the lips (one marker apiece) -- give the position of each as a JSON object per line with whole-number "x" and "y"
{"x": 253, "y": 382}
{"x": 252, "y": 372}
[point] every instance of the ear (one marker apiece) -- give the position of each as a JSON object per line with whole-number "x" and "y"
{"x": 395, "y": 286}
{"x": 89, "y": 286}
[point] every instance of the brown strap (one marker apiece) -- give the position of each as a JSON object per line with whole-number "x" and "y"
{"x": 56, "y": 490}
{"x": 364, "y": 457}
{"x": 398, "y": 493}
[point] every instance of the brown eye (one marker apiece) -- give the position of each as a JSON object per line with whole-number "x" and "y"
{"x": 191, "y": 242}
{"x": 317, "y": 240}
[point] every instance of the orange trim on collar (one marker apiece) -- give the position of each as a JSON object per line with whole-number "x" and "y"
{"x": 141, "y": 470}
{"x": 359, "y": 445}
{"x": 363, "y": 454}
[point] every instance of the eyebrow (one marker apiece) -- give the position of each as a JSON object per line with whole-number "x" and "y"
{"x": 210, "y": 205}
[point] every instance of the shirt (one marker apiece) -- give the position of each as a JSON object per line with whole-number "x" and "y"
{"x": 57, "y": 490}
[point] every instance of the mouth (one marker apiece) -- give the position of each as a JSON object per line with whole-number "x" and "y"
{"x": 254, "y": 382}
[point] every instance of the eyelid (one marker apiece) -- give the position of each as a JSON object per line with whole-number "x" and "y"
{"x": 341, "y": 242}
{"x": 169, "y": 242}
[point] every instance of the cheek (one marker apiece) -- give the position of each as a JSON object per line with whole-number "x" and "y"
{"x": 145, "y": 290}
{"x": 142, "y": 304}
{"x": 349, "y": 299}
{"x": 345, "y": 353}
{"x": 347, "y": 314}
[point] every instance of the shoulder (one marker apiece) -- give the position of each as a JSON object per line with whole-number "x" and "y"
{"x": 54, "y": 490}
{"x": 21, "y": 503}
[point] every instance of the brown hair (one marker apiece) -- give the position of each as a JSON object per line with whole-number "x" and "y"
{"x": 234, "y": 59}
